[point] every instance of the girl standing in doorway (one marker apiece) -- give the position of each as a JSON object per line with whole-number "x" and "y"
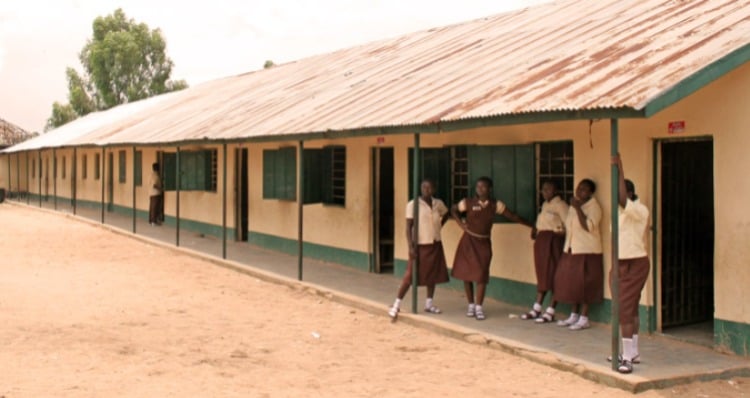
{"x": 549, "y": 239}
{"x": 474, "y": 252}
{"x": 579, "y": 279}
{"x": 429, "y": 248}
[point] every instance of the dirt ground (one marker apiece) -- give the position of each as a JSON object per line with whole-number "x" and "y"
{"x": 85, "y": 312}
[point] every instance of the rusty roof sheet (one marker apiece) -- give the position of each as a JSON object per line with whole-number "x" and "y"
{"x": 10, "y": 134}
{"x": 565, "y": 55}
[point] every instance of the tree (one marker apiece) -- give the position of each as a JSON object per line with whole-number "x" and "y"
{"x": 269, "y": 64}
{"x": 123, "y": 61}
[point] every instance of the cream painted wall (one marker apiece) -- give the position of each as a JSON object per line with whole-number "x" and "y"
{"x": 16, "y": 180}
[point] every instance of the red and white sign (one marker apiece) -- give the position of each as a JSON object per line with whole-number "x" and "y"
{"x": 381, "y": 140}
{"x": 677, "y": 127}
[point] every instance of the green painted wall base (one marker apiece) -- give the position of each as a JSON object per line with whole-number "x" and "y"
{"x": 351, "y": 258}
{"x": 732, "y": 336}
{"x": 523, "y": 294}
{"x": 185, "y": 224}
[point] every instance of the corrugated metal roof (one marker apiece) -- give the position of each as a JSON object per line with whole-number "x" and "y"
{"x": 10, "y": 134}
{"x": 566, "y": 55}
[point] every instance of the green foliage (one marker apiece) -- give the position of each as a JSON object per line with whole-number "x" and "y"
{"x": 269, "y": 64}
{"x": 61, "y": 114}
{"x": 124, "y": 61}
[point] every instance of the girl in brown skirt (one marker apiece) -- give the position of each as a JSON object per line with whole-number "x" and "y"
{"x": 579, "y": 279}
{"x": 549, "y": 238}
{"x": 474, "y": 252}
{"x": 633, "y": 267}
{"x": 432, "y": 266}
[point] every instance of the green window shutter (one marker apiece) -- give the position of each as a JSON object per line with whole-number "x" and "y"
{"x": 436, "y": 165}
{"x": 169, "y": 170}
{"x": 511, "y": 168}
{"x": 315, "y": 176}
{"x": 269, "y": 173}
{"x": 138, "y": 168}
{"x": 288, "y": 159}
{"x": 122, "y": 164}
{"x": 525, "y": 205}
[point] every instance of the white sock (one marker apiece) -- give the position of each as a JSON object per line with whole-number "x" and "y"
{"x": 635, "y": 346}
{"x": 573, "y": 317}
{"x": 397, "y": 303}
{"x": 550, "y": 310}
{"x": 583, "y": 319}
{"x": 478, "y": 308}
{"x": 428, "y": 303}
{"x": 627, "y": 349}
{"x": 537, "y": 307}
{"x": 472, "y": 306}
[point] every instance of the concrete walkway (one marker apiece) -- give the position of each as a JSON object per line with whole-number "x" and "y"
{"x": 666, "y": 362}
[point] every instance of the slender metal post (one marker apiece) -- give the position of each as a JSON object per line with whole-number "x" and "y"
{"x": 177, "y": 197}
{"x": 28, "y": 179}
{"x": 224, "y": 204}
{"x": 134, "y": 166}
{"x": 9, "y": 175}
{"x": 18, "y": 176}
{"x": 39, "y": 177}
{"x": 614, "y": 213}
{"x": 415, "y": 236}
{"x": 102, "y": 176}
{"x": 300, "y": 207}
{"x": 54, "y": 178}
{"x": 75, "y": 180}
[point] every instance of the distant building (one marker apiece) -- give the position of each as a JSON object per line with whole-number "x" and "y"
{"x": 10, "y": 134}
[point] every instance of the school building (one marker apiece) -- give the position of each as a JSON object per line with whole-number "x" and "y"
{"x": 324, "y": 147}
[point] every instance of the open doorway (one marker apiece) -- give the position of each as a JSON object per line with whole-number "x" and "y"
{"x": 687, "y": 239}
{"x": 383, "y": 210}
{"x": 241, "y": 195}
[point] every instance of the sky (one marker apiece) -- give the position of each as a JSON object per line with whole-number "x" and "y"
{"x": 205, "y": 39}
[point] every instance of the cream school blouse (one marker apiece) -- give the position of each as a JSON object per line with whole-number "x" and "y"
{"x": 633, "y": 219}
{"x": 577, "y": 239}
{"x": 552, "y": 216}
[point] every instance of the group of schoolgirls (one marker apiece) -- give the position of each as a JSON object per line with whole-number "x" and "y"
{"x": 568, "y": 256}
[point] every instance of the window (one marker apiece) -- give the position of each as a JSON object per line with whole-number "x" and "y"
{"x": 63, "y": 167}
{"x": 197, "y": 170}
{"x": 555, "y": 162}
{"x": 138, "y": 164}
{"x": 84, "y": 167}
{"x": 122, "y": 166}
{"x": 460, "y": 184}
{"x": 511, "y": 168}
{"x": 97, "y": 166}
{"x": 280, "y": 173}
{"x": 325, "y": 175}
{"x": 436, "y": 165}
{"x": 54, "y": 167}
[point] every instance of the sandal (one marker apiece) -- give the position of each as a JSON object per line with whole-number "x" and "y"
{"x": 433, "y": 310}
{"x": 636, "y": 359}
{"x": 625, "y": 367}
{"x": 545, "y": 318}
{"x": 479, "y": 314}
{"x": 533, "y": 314}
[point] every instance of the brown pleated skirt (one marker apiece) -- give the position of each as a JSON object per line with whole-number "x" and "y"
{"x": 548, "y": 248}
{"x": 633, "y": 275}
{"x": 473, "y": 257}
{"x": 579, "y": 279}
{"x": 432, "y": 266}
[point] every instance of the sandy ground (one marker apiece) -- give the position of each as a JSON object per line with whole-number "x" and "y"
{"x": 86, "y": 312}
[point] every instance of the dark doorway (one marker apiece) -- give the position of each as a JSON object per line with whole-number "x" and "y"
{"x": 241, "y": 183}
{"x": 383, "y": 210}
{"x": 110, "y": 181}
{"x": 46, "y": 180}
{"x": 687, "y": 247}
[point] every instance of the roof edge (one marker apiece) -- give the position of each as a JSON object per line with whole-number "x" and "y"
{"x": 698, "y": 80}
